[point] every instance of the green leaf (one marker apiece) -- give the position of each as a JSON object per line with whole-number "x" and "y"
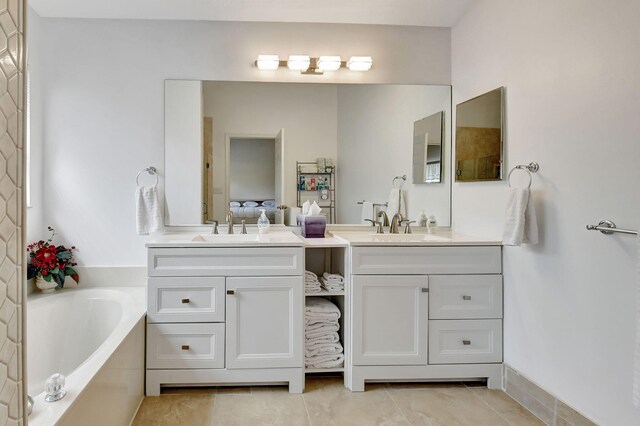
{"x": 55, "y": 271}
{"x": 47, "y": 278}
{"x": 64, "y": 255}
{"x": 70, "y": 272}
{"x": 58, "y": 280}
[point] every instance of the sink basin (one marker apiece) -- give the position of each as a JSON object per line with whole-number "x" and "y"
{"x": 365, "y": 238}
{"x": 407, "y": 237}
{"x": 226, "y": 238}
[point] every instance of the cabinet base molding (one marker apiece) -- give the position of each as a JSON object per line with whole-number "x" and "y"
{"x": 361, "y": 374}
{"x": 158, "y": 378}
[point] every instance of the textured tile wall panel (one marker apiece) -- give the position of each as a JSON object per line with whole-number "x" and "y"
{"x": 11, "y": 210}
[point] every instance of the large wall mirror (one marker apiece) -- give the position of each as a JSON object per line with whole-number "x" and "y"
{"x": 479, "y": 137}
{"x": 233, "y": 146}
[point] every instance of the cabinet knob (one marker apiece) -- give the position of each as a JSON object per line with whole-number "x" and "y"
{"x": 231, "y": 292}
{"x": 466, "y": 342}
{"x": 466, "y": 297}
{"x": 185, "y": 300}
{"x": 425, "y": 289}
{"x": 185, "y": 347}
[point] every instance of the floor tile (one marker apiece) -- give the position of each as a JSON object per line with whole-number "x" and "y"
{"x": 171, "y": 410}
{"x": 266, "y": 408}
{"x": 509, "y": 409}
{"x": 330, "y": 403}
{"x": 450, "y": 406}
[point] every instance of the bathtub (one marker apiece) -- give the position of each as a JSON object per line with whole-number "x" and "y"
{"x": 95, "y": 337}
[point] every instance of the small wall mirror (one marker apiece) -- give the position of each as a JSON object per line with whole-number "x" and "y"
{"x": 427, "y": 149}
{"x": 479, "y": 138}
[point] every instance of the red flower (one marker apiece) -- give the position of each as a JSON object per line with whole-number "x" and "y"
{"x": 46, "y": 258}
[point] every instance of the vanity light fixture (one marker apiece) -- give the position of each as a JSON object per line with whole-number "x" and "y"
{"x": 316, "y": 66}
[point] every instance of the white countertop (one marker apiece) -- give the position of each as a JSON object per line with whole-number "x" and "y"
{"x": 439, "y": 238}
{"x": 335, "y": 238}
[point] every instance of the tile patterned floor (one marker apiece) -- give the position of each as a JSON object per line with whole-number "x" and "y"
{"x": 327, "y": 402}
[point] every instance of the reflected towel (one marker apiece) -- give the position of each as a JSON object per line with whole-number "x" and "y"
{"x": 367, "y": 212}
{"x": 396, "y": 203}
{"x": 520, "y": 225}
{"x": 147, "y": 210}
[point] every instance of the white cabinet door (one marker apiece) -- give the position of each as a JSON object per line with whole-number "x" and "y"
{"x": 390, "y": 320}
{"x": 265, "y": 322}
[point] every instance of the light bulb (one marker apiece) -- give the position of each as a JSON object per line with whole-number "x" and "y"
{"x": 360, "y": 63}
{"x": 268, "y": 62}
{"x": 329, "y": 63}
{"x": 298, "y": 62}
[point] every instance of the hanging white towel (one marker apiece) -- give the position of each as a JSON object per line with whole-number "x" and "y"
{"x": 520, "y": 225}
{"x": 147, "y": 210}
{"x": 396, "y": 203}
{"x": 636, "y": 359}
{"x": 367, "y": 212}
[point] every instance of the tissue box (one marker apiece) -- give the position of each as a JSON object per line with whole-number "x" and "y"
{"x": 312, "y": 226}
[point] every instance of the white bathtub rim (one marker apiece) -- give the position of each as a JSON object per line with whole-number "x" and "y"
{"x": 134, "y": 311}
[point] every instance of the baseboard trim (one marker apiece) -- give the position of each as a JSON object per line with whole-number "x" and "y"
{"x": 545, "y": 406}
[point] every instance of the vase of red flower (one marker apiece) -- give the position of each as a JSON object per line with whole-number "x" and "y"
{"x": 50, "y": 264}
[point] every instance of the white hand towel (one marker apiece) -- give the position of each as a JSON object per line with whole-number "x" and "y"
{"x": 327, "y": 348}
{"x": 333, "y": 277}
{"x": 321, "y": 330}
{"x": 520, "y": 225}
{"x": 322, "y": 340}
{"x": 396, "y": 203}
{"x": 325, "y": 361}
{"x": 147, "y": 210}
{"x": 636, "y": 360}
{"x": 367, "y": 212}
{"x": 321, "y": 305}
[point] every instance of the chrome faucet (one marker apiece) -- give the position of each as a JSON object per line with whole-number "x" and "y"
{"x": 395, "y": 221}
{"x": 229, "y": 222}
{"x": 244, "y": 226}
{"x": 380, "y": 230}
{"x": 385, "y": 217}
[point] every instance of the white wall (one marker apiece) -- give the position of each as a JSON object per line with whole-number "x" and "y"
{"x": 307, "y": 113}
{"x": 572, "y": 76}
{"x": 183, "y": 153}
{"x": 375, "y": 144}
{"x": 252, "y": 172}
{"x": 36, "y": 228}
{"x": 104, "y": 102}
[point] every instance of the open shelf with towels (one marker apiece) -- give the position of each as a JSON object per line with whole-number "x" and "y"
{"x": 319, "y": 259}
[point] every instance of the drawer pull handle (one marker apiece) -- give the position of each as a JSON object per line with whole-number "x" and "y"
{"x": 425, "y": 290}
{"x": 231, "y": 292}
{"x": 466, "y": 342}
{"x": 185, "y": 347}
{"x": 186, "y": 300}
{"x": 466, "y": 297}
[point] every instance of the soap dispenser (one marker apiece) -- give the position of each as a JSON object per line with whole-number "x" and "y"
{"x": 263, "y": 222}
{"x": 431, "y": 223}
{"x": 423, "y": 219}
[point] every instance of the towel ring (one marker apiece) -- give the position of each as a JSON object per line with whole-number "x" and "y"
{"x": 532, "y": 167}
{"x": 151, "y": 170}
{"x": 403, "y": 178}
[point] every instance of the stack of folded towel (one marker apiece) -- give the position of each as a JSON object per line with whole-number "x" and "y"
{"x": 311, "y": 283}
{"x": 322, "y": 342}
{"x": 332, "y": 282}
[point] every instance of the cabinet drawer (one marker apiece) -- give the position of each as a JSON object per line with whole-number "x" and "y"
{"x": 177, "y": 346}
{"x": 465, "y": 296}
{"x": 185, "y": 299}
{"x": 465, "y": 341}
{"x": 229, "y": 261}
{"x": 426, "y": 260}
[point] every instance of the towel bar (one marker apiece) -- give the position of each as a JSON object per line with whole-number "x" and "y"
{"x": 607, "y": 227}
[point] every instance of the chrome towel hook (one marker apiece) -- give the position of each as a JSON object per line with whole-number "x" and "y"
{"x": 532, "y": 167}
{"x": 151, "y": 170}
{"x": 402, "y": 178}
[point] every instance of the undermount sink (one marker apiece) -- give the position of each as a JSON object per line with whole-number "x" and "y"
{"x": 226, "y": 238}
